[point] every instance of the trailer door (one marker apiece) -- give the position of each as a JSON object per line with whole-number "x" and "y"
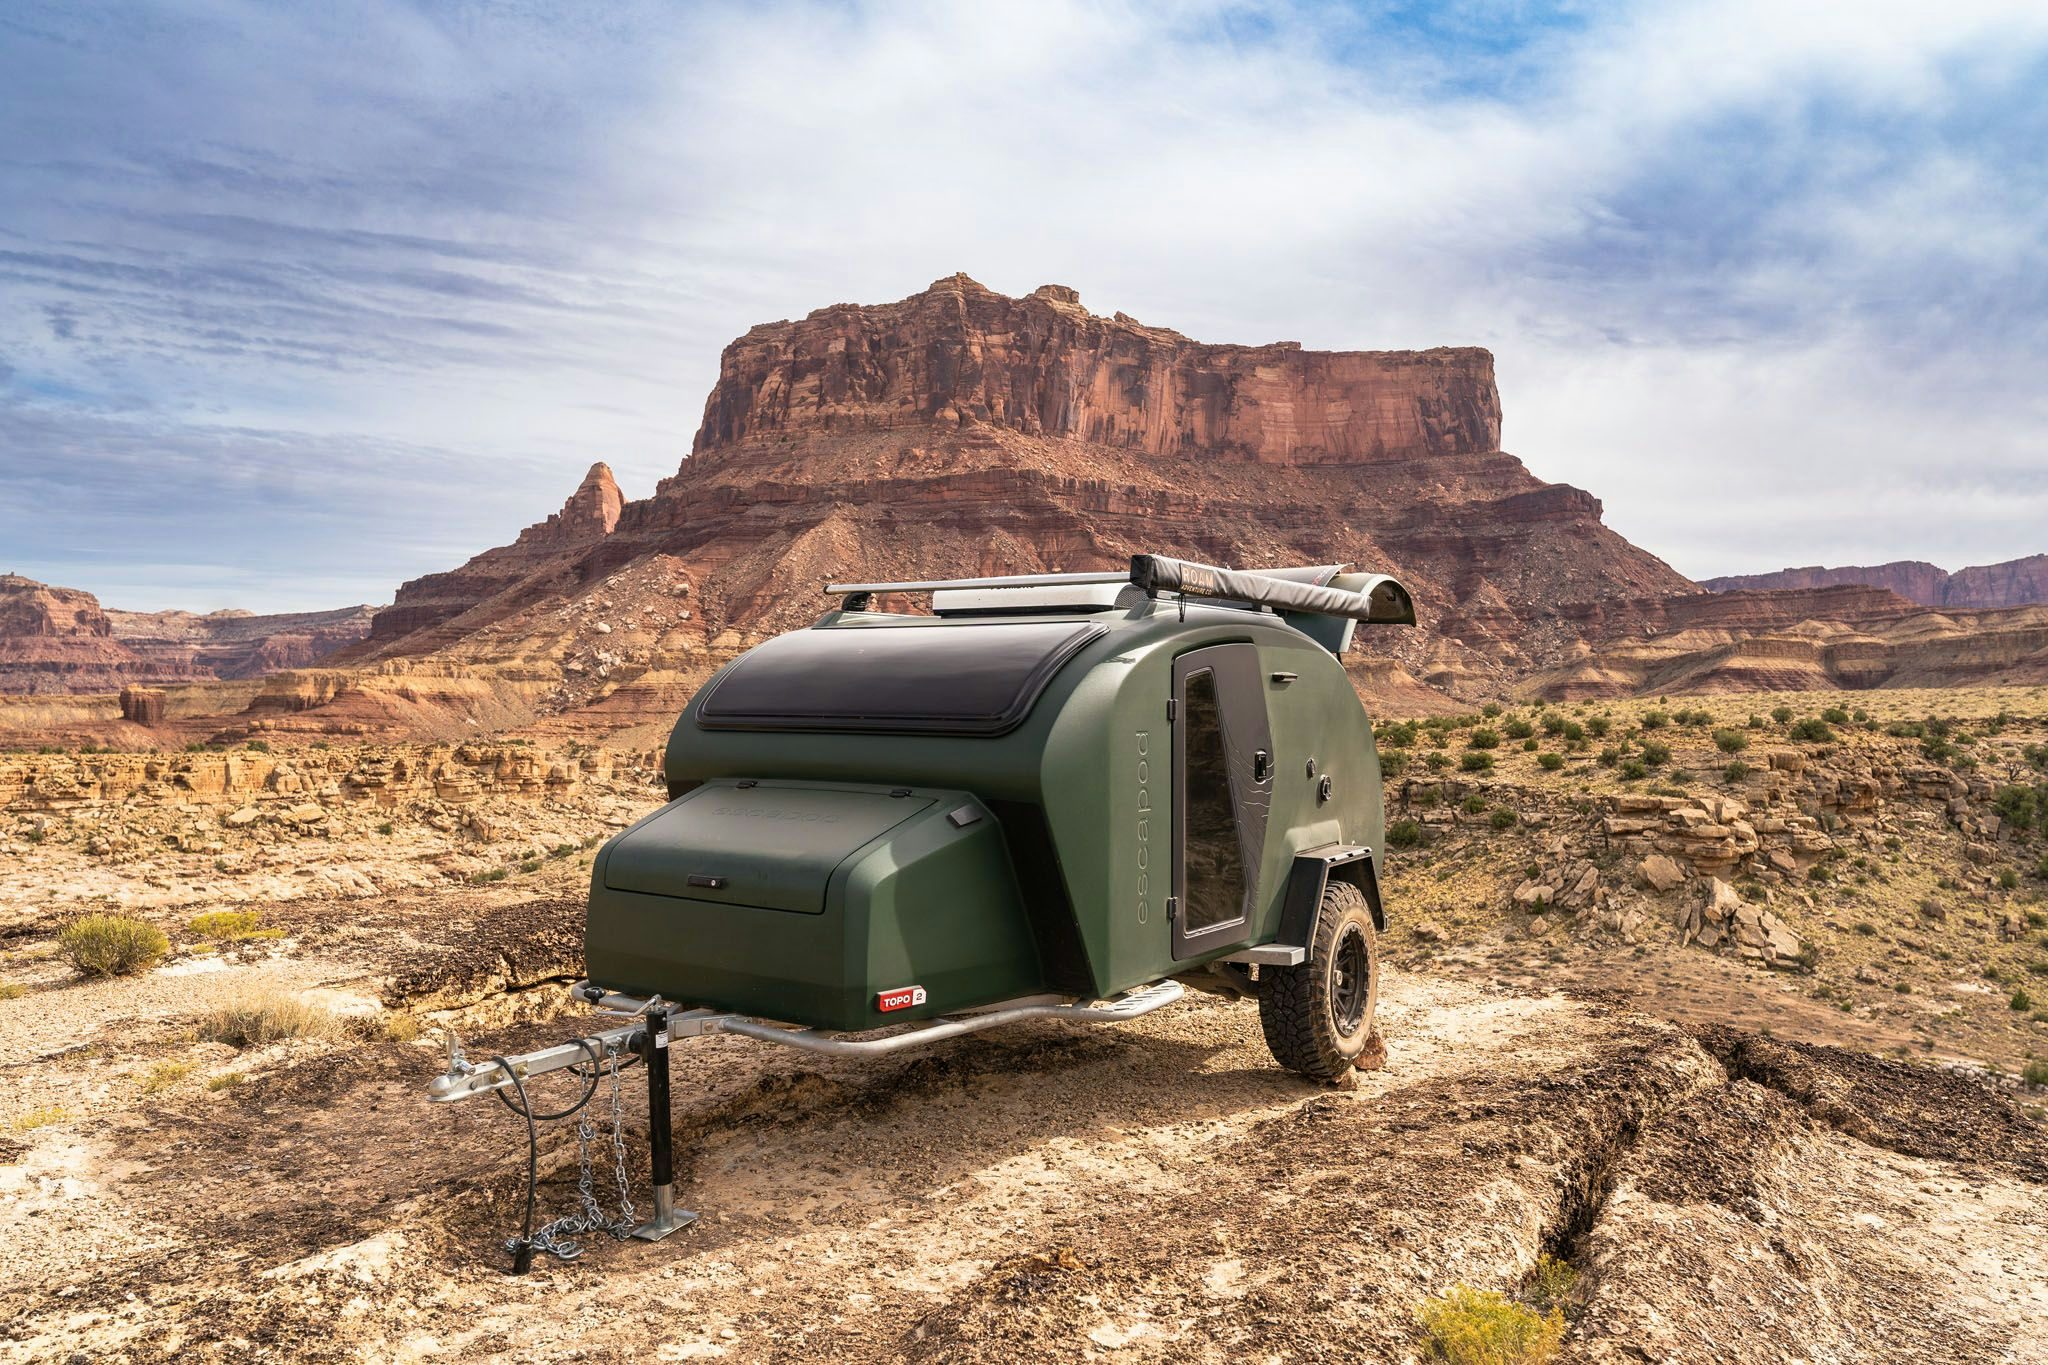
{"x": 1223, "y": 778}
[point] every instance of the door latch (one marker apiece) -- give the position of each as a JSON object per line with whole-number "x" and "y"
{"x": 1262, "y": 766}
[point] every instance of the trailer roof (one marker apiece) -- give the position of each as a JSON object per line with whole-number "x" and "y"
{"x": 915, "y": 675}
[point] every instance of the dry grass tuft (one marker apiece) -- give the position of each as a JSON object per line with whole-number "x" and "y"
{"x": 40, "y": 1117}
{"x": 164, "y": 1075}
{"x": 268, "y": 1015}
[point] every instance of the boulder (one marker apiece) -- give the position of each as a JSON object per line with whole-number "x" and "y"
{"x": 1659, "y": 873}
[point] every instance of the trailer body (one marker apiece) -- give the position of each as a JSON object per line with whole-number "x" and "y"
{"x": 886, "y": 817}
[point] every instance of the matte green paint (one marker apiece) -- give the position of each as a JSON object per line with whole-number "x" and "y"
{"x": 926, "y": 903}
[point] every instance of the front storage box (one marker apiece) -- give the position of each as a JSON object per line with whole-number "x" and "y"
{"x": 808, "y": 901}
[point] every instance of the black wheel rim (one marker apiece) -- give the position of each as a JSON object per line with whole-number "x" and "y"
{"x": 1350, "y": 980}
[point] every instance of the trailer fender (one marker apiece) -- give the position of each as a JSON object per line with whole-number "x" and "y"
{"x": 1313, "y": 868}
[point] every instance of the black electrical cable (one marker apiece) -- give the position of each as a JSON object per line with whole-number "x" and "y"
{"x": 522, "y": 1247}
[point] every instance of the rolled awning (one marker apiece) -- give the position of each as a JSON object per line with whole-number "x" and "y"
{"x": 1377, "y": 600}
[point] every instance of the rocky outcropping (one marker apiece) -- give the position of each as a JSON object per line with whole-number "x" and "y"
{"x": 2013, "y": 583}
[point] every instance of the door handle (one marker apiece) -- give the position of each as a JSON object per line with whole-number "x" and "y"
{"x": 1262, "y": 766}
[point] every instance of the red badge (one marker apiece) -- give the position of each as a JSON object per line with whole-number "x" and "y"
{"x": 902, "y": 998}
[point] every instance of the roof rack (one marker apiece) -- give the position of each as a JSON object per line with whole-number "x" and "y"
{"x": 1321, "y": 590}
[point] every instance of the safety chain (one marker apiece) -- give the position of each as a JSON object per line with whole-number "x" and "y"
{"x": 555, "y": 1238}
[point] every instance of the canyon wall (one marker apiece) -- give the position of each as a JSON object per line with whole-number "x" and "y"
{"x": 2013, "y": 583}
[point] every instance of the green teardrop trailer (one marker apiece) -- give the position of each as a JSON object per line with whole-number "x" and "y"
{"x": 1062, "y": 795}
{"x": 1053, "y": 790}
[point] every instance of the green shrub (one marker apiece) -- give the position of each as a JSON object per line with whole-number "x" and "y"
{"x": 1655, "y": 720}
{"x": 1480, "y": 1327}
{"x": 2041, "y": 868}
{"x": 1598, "y": 726}
{"x": 1404, "y": 834}
{"x": 1490, "y": 710}
{"x": 1550, "y": 1283}
{"x": 1656, "y": 753}
{"x": 1632, "y": 770}
{"x": 384, "y": 828}
{"x": 1517, "y": 728}
{"x": 2021, "y": 1002}
{"x": 1393, "y": 764}
{"x": 1474, "y": 804}
{"x": 1502, "y": 818}
{"x": 1781, "y": 714}
{"x": 1550, "y": 763}
{"x": 1730, "y": 741}
{"x": 1835, "y": 715}
{"x": 258, "y": 746}
{"x": 1436, "y": 763}
{"x": 1573, "y": 732}
{"x": 1397, "y": 736}
{"x": 2036, "y": 1074}
{"x": 1476, "y": 761}
{"x": 2007, "y": 879}
{"x": 112, "y": 945}
{"x": 1811, "y": 730}
{"x": 1735, "y": 772}
{"x": 231, "y": 926}
{"x": 1482, "y": 738}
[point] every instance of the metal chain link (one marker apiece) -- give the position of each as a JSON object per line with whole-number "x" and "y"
{"x": 555, "y": 1238}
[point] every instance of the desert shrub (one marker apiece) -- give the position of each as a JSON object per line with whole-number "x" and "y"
{"x": 496, "y": 874}
{"x": 1550, "y": 763}
{"x": 1598, "y": 726}
{"x": 384, "y": 828}
{"x": 2020, "y": 806}
{"x": 1655, "y": 720}
{"x": 2007, "y": 879}
{"x": 1730, "y": 741}
{"x": 1425, "y": 799}
{"x": 1835, "y": 715}
{"x": 1781, "y": 714}
{"x": 267, "y": 1015}
{"x": 1550, "y": 1283}
{"x": 2036, "y": 1074}
{"x": 1482, "y": 738}
{"x": 1391, "y": 765}
{"x": 1656, "y": 753}
{"x": 1530, "y": 745}
{"x": 1502, "y": 818}
{"x": 1573, "y": 732}
{"x": 1474, "y": 804}
{"x": 258, "y": 746}
{"x": 2021, "y": 1002}
{"x": 1480, "y": 1327}
{"x": 164, "y": 1075}
{"x": 42, "y": 1116}
{"x": 1397, "y": 736}
{"x": 1736, "y": 772}
{"x": 2041, "y": 868}
{"x": 1490, "y": 710}
{"x": 1476, "y": 761}
{"x": 112, "y": 945}
{"x": 231, "y": 926}
{"x": 225, "y": 1081}
{"x": 12, "y": 990}
{"x": 1632, "y": 770}
{"x": 1517, "y": 727}
{"x": 1404, "y": 834}
{"x": 1810, "y": 730}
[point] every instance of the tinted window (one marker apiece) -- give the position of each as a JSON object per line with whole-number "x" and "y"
{"x": 1213, "y": 866}
{"x": 964, "y": 679}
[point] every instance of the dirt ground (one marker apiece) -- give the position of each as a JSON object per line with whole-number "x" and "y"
{"x": 1157, "y": 1191}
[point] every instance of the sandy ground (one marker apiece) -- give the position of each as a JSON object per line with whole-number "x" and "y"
{"x": 1155, "y": 1191}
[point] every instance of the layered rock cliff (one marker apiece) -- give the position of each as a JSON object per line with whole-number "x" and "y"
{"x": 960, "y": 354}
{"x": 60, "y": 640}
{"x": 962, "y": 431}
{"x": 2013, "y": 583}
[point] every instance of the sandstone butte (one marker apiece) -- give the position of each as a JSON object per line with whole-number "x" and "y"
{"x": 961, "y": 431}
{"x": 2012, "y": 583}
{"x": 60, "y": 640}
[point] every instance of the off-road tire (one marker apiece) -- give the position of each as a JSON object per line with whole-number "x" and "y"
{"x": 1316, "y": 1017}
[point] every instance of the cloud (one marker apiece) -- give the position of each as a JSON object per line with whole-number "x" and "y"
{"x": 1788, "y": 260}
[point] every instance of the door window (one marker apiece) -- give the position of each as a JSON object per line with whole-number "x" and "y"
{"x": 1213, "y": 874}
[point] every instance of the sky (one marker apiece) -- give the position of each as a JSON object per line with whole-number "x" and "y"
{"x": 298, "y": 302}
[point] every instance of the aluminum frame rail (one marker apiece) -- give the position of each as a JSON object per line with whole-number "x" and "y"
{"x": 464, "y": 1079}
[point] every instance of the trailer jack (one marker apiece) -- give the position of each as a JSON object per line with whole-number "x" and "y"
{"x": 656, "y": 1025}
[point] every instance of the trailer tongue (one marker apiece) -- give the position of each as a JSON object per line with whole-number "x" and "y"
{"x": 1057, "y": 797}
